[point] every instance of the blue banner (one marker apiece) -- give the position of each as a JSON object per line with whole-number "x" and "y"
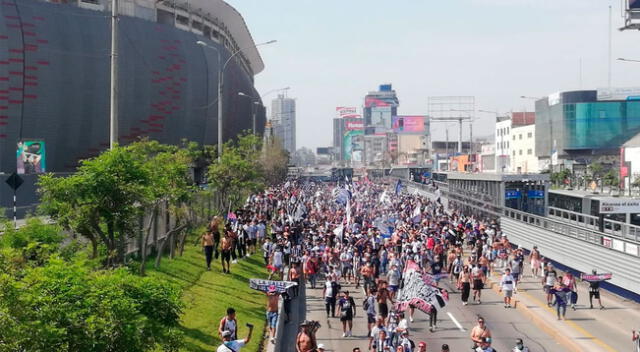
{"x": 535, "y": 193}
{"x": 512, "y": 194}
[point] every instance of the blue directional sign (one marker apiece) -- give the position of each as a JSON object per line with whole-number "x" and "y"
{"x": 535, "y": 193}
{"x": 512, "y": 194}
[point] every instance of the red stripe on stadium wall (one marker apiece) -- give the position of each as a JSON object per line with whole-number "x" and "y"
{"x": 4, "y": 107}
{"x": 16, "y": 73}
{"x": 32, "y": 84}
{"x": 42, "y": 41}
{"x": 30, "y": 96}
{"x": 12, "y": 17}
{"x": 44, "y": 63}
{"x": 31, "y": 68}
{"x": 16, "y": 60}
{"x": 4, "y": 78}
{"x": 28, "y": 34}
{"x": 19, "y": 51}
{"x": 15, "y": 101}
{"x": 3, "y": 117}
{"x": 16, "y": 89}
{"x": 2, "y": 97}
{"x": 30, "y": 77}
{"x": 6, "y": 3}
{"x": 4, "y": 62}
{"x": 38, "y": 18}
{"x": 10, "y": 25}
{"x": 4, "y": 37}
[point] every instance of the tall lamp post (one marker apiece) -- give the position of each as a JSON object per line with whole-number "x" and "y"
{"x": 256, "y": 102}
{"x": 221, "y": 70}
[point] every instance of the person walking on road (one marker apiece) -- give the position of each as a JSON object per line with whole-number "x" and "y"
{"x": 520, "y": 347}
{"x": 346, "y": 311}
{"x": 464, "y": 284}
{"x": 594, "y": 291}
{"x": 225, "y": 249}
{"x": 369, "y": 306}
{"x": 507, "y": 284}
{"x": 570, "y": 281}
{"x": 548, "y": 281}
{"x": 329, "y": 292}
{"x": 480, "y": 332}
{"x": 562, "y": 295}
{"x": 478, "y": 283}
{"x": 272, "y": 313}
{"x": 534, "y": 257}
{"x": 635, "y": 337}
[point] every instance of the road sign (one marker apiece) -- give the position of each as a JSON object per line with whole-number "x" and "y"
{"x": 14, "y": 181}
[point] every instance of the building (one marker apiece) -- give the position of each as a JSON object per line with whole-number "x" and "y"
{"x": 379, "y": 108}
{"x": 344, "y": 128}
{"x": 503, "y": 144}
{"x": 630, "y": 162}
{"x": 576, "y": 128}
{"x": 283, "y": 118}
{"x": 504, "y": 139}
{"x": 488, "y": 157}
{"x": 56, "y": 75}
{"x": 523, "y": 143}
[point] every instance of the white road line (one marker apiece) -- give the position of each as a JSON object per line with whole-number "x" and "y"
{"x": 455, "y": 321}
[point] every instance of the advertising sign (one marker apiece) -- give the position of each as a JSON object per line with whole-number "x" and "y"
{"x": 347, "y": 143}
{"x": 629, "y": 93}
{"x": 381, "y": 117}
{"x": 354, "y": 125}
{"x": 374, "y": 102}
{"x": 347, "y": 111}
{"x": 409, "y": 124}
{"x": 31, "y": 157}
{"x": 619, "y": 206}
{"x": 535, "y": 194}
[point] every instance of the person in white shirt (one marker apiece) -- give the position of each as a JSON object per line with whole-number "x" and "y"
{"x": 229, "y": 345}
{"x": 507, "y": 284}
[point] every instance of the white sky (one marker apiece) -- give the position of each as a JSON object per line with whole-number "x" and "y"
{"x": 332, "y": 52}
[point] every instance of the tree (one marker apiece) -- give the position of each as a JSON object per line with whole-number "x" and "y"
{"x": 611, "y": 179}
{"x": 102, "y": 201}
{"x": 238, "y": 172}
{"x": 274, "y": 162}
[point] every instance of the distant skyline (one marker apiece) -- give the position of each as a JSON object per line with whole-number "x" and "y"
{"x": 331, "y": 53}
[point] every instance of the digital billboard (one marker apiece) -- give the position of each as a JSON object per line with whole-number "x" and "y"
{"x": 31, "y": 157}
{"x": 374, "y": 102}
{"x": 409, "y": 125}
{"x": 381, "y": 116}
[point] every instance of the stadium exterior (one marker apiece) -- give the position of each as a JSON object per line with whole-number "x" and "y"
{"x": 54, "y": 75}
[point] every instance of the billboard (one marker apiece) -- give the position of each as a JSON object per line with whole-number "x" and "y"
{"x": 409, "y": 124}
{"x": 370, "y": 102}
{"x": 619, "y": 206}
{"x": 348, "y": 143}
{"x": 381, "y": 116}
{"x": 628, "y": 93}
{"x": 346, "y": 111}
{"x": 31, "y": 157}
{"x": 634, "y": 4}
{"x": 354, "y": 125}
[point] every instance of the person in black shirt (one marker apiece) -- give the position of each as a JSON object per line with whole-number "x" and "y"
{"x": 346, "y": 310}
{"x": 594, "y": 292}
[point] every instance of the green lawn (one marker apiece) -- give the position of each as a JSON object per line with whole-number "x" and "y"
{"x": 207, "y": 294}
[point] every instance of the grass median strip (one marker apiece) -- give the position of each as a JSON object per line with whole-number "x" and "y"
{"x": 208, "y": 294}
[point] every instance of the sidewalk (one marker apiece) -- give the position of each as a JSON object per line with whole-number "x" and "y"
{"x": 330, "y": 334}
{"x": 584, "y": 329}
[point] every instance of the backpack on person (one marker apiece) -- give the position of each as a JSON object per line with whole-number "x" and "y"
{"x": 365, "y": 304}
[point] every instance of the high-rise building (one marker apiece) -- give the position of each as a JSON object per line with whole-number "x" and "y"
{"x": 283, "y": 119}
{"x": 379, "y": 108}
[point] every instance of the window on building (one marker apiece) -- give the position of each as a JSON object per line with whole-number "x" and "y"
{"x": 514, "y": 137}
{"x": 529, "y": 151}
{"x": 520, "y": 136}
{"x": 529, "y": 134}
{"x": 507, "y": 129}
{"x": 514, "y": 153}
{"x": 520, "y": 152}
{"x": 507, "y": 144}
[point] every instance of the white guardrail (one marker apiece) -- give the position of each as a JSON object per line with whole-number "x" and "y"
{"x": 577, "y": 243}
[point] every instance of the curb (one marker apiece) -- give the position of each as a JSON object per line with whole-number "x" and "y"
{"x": 539, "y": 322}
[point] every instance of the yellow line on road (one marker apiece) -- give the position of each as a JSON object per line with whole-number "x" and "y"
{"x": 561, "y": 338}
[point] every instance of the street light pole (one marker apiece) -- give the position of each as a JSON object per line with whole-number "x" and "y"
{"x": 113, "y": 104}
{"x": 221, "y": 84}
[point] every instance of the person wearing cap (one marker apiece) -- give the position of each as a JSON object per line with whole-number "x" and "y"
{"x": 229, "y": 345}
{"x": 485, "y": 345}
{"x": 520, "y": 347}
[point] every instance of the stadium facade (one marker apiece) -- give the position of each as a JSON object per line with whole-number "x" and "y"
{"x": 55, "y": 75}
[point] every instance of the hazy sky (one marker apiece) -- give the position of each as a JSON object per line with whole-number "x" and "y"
{"x": 332, "y": 52}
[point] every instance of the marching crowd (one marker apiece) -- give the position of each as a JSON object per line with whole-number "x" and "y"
{"x": 368, "y": 234}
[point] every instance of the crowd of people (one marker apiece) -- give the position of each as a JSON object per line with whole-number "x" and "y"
{"x": 365, "y": 234}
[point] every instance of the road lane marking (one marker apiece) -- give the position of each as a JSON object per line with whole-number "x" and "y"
{"x": 455, "y": 321}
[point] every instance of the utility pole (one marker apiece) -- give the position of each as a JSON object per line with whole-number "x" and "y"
{"x": 113, "y": 115}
